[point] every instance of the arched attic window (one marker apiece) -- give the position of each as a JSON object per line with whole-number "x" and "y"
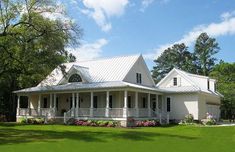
{"x": 75, "y": 78}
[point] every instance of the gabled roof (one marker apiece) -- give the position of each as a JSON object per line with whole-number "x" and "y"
{"x": 102, "y": 70}
{"x": 195, "y": 86}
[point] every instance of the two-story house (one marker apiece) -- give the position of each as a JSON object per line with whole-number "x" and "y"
{"x": 116, "y": 89}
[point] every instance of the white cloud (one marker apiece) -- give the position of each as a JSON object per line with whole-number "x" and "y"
{"x": 145, "y": 4}
{"x": 102, "y": 10}
{"x": 225, "y": 27}
{"x": 89, "y": 51}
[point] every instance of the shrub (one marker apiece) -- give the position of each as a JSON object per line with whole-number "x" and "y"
{"x": 96, "y": 123}
{"x": 209, "y": 120}
{"x": 23, "y": 120}
{"x": 188, "y": 118}
{"x": 2, "y": 118}
{"x": 147, "y": 123}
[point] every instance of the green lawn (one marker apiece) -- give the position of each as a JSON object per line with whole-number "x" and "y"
{"x": 59, "y": 138}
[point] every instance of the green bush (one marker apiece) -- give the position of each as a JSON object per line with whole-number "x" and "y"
{"x": 23, "y": 120}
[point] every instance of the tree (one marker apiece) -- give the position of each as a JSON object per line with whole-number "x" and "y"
{"x": 204, "y": 50}
{"x": 177, "y": 56}
{"x": 224, "y": 73}
{"x": 31, "y": 45}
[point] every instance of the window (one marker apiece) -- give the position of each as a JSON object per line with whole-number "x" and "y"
{"x": 75, "y": 78}
{"x": 95, "y": 102}
{"x": 129, "y": 102}
{"x": 138, "y": 78}
{"x": 44, "y": 102}
{"x": 175, "y": 81}
{"x": 24, "y": 102}
{"x": 57, "y": 102}
{"x": 168, "y": 104}
{"x": 110, "y": 101}
{"x": 208, "y": 84}
{"x": 144, "y": 102}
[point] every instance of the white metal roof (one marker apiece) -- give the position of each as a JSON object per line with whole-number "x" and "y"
{"x": 84, "y": 86}
{"x": 101, "y": 70}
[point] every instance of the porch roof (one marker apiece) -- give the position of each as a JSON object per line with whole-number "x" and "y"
{"x": 85, "y": 86}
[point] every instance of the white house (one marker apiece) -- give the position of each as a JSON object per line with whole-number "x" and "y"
{"x": 118, "y": 88}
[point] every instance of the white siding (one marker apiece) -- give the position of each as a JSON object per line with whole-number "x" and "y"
{"x": 204, "y": 100}
{"x": 180, "y": 81}
{"x": 183, "y": 104}
{"x": 140, "y": 67}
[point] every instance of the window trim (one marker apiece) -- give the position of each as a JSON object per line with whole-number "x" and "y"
{"x": 175, "y": 83}
{"x": 138, "y": 78}
{"x": 168, "y": 109}
{"x": 75, "y": 76}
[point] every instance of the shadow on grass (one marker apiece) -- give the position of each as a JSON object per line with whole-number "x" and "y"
{"x": 9, "y": 135}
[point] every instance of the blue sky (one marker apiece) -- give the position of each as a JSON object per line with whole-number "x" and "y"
{"x": 125, "y": 27}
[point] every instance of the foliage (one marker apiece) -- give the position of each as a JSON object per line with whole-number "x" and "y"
{"x": 96, "y": 123}
{"x": 147, "y": 123}
{"x": 224, "y": 73}
{"x": 188, "y": 120}
{"x": 176, "y": 56}
{"x": 209, "y": 120}
{"x": 2, "y": 118}
{"x": 201, "y": 61}
{"x": 25, "y": 120}
{"x": 31, "y": 45}
{"x": 204, "y": 50}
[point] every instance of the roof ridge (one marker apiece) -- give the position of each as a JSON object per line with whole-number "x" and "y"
{"x": 106, "y": 58}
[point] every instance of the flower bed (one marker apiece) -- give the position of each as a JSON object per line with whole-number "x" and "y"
{"x": 209, "y": 120}
{"x": 146, "y": 123}
{"x": 96, "y": 123}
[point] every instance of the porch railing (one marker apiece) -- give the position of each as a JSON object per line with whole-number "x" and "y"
{"x": 36, "y": 112}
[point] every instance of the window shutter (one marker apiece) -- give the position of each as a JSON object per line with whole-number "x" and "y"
{"x": 179, "y": 81}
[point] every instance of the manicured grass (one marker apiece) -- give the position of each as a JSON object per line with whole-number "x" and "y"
{"x": 60, "y": 138}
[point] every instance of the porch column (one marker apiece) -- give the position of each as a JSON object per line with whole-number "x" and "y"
{"x": 149, "y": 108}
{"x": 125, "y": 104}
{"x": 73, "y": 104}
{"x": 39, "y": 104}
{"x": 77, "y": 103}
{"x": 107, "y": 104}
{"x": 55, "y": 104}
{"x": 157, "y": 109}
{"x": 92, "y": 105}
{"x": 29, "y": 110}
{"x": 136, "y": 104}
{"x": 18, "y": 105}
{"x": 50, "y": 100}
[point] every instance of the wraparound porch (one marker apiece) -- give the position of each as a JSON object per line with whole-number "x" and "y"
{"x": 112, "y": 104}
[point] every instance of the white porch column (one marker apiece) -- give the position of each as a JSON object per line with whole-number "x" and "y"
{"x": 18, "y": 105}
{"x": 149, "y": 108}
{"x": 39, "y": 104}
{"x": 77, "y": 103}
{"x": 29, "y": 110}
{"x": 54, "y": 98}
{"x": 136, "y": 104}
{"x": 107, "y": 104}
{"x": 55, "y": 101}
{"x": 92, "y": 105}
{"x": 125, "y": 104}
{"x": 73, "y": 104}
{"x": 51, "y": 100}
{"x": 157, "y": 109}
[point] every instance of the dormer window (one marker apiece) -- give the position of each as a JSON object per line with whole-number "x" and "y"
{"x": 75, "y": 78}
{"x": 175, "y": 81}
{"x": 138, "y": 78}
